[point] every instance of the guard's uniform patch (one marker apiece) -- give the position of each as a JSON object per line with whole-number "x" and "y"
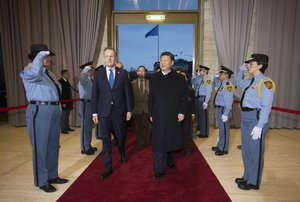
{"x": 208, "y": 82}
{"x": 229, "y": 88}
{"x": 27, "y": 68}
{"x": 268, "y": 84}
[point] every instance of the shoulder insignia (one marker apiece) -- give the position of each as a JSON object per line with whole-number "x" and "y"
{"x": 27, "y": 68}
{"x": 268, "y": 84}
{"x": 229, "y": 88}
{"x": 208, "y": 82}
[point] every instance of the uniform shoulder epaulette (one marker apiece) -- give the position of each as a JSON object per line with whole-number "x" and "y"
{"x": 28, "y": 67}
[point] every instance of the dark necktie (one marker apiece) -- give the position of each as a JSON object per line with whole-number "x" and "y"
{"x": 141, "y": 87}
{"x": 198, "y": 91}
{"x": 56, "y": 86}
{"x": 241, "y": 103}
{"x": 217, "y": 93}
{"x": 111, "y": 79}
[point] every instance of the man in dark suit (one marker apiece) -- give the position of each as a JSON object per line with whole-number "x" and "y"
{"x": 112, "y": 103}
{"x": 140, "y": 87}
{"x": 167, "y": 107}
{"x": 66, "y": 106}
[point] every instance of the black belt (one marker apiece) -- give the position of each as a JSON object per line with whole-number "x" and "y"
{"x": 85, "y": 100}
{"x": 44, "y": 102}
{"x": 200, "y": 96}
{"x": 218, "y": 106}
{"x": 246, "y": 109}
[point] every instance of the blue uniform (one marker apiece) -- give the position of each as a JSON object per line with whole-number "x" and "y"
{"x": 203, "y": 89}
{"x": 43, "y": 119}
{"x": 85, "y": 110}
{"x": 256, "y": 107}
{"x": 223, "y": 105}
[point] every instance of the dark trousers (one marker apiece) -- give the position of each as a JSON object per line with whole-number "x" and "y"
{"x": 186, "y": 132}
{"x": 142, "y": 128}
{"x": 114, "y": 121}
{"x": 202, "y": 116}
{"x": 65, "y": 114}
{"x": 161, "y": 159}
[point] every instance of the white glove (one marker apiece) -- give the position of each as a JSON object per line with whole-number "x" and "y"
{"x": 86, "y": 69}
{"x": 216, "y": 74}
{"x": 205, "y": 105}
{"x": 243, "y": 67}
{"x": 44, "y": 53}
{"x": 224, "y": 118}
{"x": 256, "y": 133}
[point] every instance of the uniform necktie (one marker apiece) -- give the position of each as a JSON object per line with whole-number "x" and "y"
{"x": 241, "y": 103}
{"x": 217, "y": 94}
{"x": 141, "y": 87}
{"x": 198, "y": 92}
{"x": 111, "y": 79}
{"x": 56, "y": 86}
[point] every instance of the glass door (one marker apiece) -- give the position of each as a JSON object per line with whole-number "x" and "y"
{"x": 142, "y": 44}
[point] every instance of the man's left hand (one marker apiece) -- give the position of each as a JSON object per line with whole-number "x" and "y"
{"x": 180, "y": 117}
{"x": 128, "y": 116}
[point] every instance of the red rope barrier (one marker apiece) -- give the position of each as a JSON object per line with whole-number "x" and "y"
{"x": 290, "y": 111}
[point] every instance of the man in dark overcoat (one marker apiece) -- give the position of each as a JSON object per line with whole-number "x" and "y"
{"x": 167, "y": 104}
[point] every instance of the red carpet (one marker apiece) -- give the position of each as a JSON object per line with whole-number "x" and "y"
{"x": 192, "y": 180}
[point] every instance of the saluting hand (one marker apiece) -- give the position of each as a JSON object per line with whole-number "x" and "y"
{"x": 44, "y": 53}
{"x": 180, "y": 117}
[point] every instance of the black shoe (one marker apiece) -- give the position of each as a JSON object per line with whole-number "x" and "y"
{"x": 171, "y": 166}
{"x": 202, "y": 136}
{"x": 48, "y": 188}
{"x": 58, "y": 180}
{"x": 123, "y": 158}
{"x": 158, "y": 176}
{"x": 106, "y": 174}
{"x": 70, "y": 129}
{"x": 187, "y": 154}
{"x": 240, "y": 180}
{"x": 246, "y": 186}
{"x": 91, "y": 151}
{"x": 220, "y": 152}
{"x": 64, "y": 132}
{"x": 239, "y": 146}
{"x": 215, "y": 148}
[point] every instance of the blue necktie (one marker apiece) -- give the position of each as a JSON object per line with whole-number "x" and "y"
{"x": 111, "y": 79}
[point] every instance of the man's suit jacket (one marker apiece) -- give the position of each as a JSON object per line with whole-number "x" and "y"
{"x": 140, "y": 100}
{"x": 66, "y": 94}
{"x": 119, "y": 97}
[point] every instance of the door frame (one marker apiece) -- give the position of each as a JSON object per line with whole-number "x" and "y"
{"x": 171, "y": 17}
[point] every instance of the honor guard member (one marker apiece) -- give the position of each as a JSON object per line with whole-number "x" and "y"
{"x": 256, "y": 103}
{"x": 203, "y": 88}
{"x": 223, "y": 103}
{"x": 85, "y": 109}
{"x": 43, "y": 93}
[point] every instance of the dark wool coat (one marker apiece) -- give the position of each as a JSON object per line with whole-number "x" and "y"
{"x": 167, "y": 98}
